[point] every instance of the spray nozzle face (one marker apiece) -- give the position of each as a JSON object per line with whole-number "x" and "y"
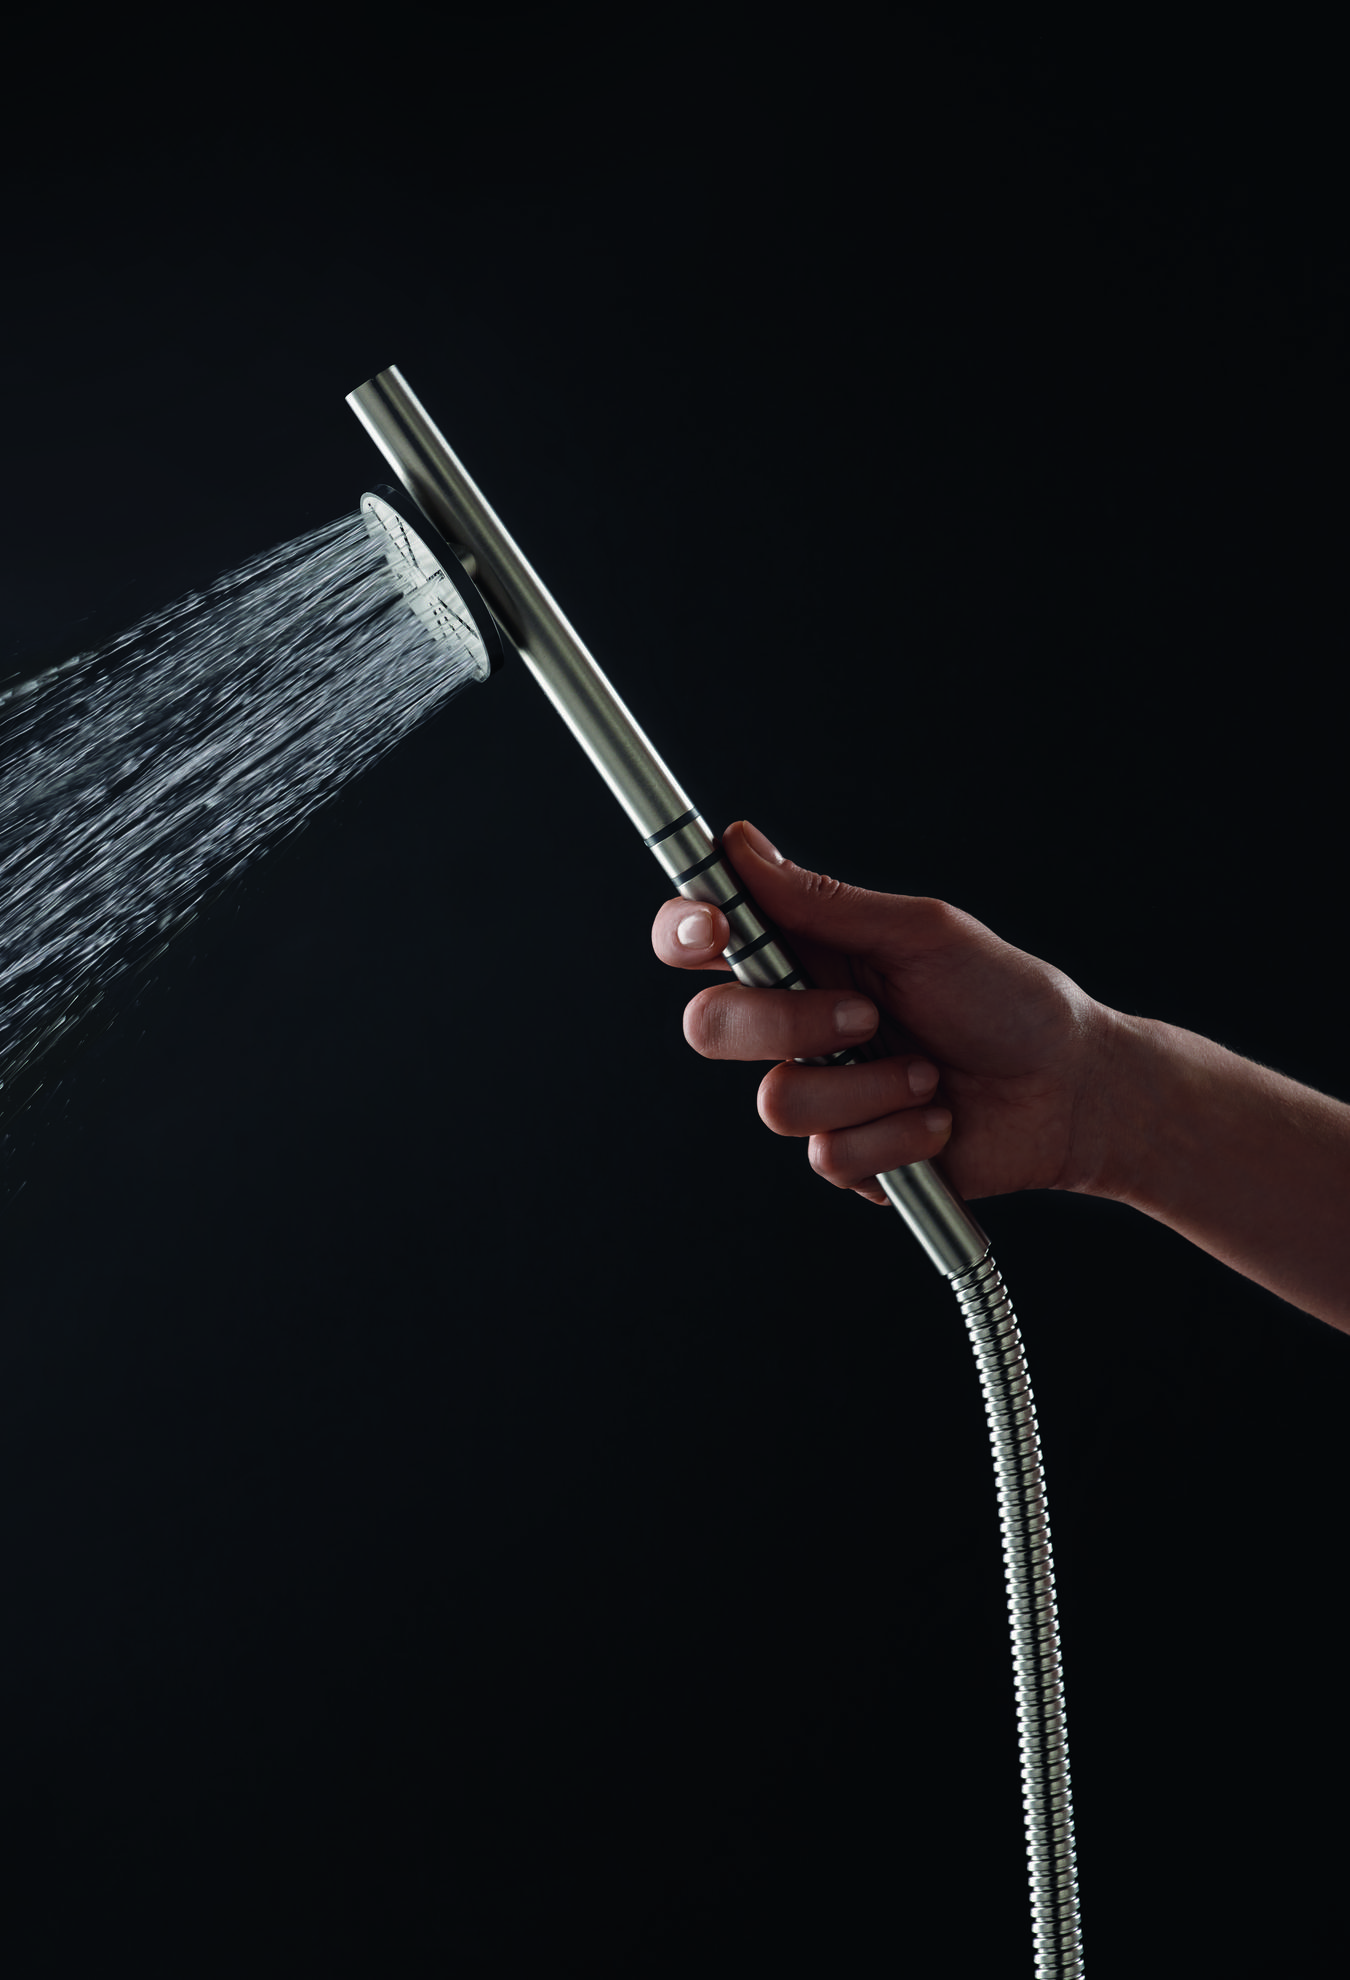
{"x": 433, "y": 581}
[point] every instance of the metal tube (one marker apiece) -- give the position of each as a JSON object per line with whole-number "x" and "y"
{"x": 660, "y": 808}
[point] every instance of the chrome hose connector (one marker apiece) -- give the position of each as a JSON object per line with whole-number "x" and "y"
{"x": 1028, "y": 1565}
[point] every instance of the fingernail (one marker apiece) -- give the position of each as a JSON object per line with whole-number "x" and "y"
{"x": 855, "y": 1017}
{"x": 938, "y": 1120}
{"x": 764, "y": 847}
{"x": 695, "y": 931}
{"x": 922, "y": 1077}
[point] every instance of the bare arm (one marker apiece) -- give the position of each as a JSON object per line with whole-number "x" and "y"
{"x": 1249, "y": 1165}
{"x": 1018, "y": 1079}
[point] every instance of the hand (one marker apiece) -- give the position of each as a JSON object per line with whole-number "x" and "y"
{"x": 998, "y": 1056}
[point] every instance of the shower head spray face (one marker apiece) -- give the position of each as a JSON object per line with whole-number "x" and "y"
{"x": 434, "y": 580}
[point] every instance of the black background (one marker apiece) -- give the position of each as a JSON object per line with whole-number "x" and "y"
{"x": 472, "y": 1500}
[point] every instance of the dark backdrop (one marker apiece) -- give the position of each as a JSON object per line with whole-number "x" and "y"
{"x": 472, "y": 1500}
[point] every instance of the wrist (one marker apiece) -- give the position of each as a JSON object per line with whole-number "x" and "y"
{"x": 1246, "y": 1163}
{"x": 1139, "y": 1106}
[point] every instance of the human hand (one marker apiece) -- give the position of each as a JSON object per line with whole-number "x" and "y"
{"x": 997, "y": 1055}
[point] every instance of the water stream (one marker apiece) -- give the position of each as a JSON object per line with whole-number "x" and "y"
{"x": 137, "y": 779}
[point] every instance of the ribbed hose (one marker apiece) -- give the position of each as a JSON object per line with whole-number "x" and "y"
{"x": 1029, "y": 1571}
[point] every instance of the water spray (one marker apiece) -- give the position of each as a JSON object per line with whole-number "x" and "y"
{"x": 142, "y": 778}
{"x": 458, "y": 566}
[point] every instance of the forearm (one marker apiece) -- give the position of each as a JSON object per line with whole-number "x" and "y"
{"x": 1249, "y": 1165}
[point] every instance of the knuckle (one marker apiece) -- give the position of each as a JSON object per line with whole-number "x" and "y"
{"x": 931, "y": 919}
{"x": 824, "y": 887}
{"x": 939, "y": 924}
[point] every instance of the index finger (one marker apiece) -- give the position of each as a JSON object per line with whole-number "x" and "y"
{"x": 691, "y": 935}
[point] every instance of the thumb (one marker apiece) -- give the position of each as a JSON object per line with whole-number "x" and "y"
{"x": 883, "y": 927}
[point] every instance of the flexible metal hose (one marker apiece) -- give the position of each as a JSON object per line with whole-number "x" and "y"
{"x": 1047, "y": 1798}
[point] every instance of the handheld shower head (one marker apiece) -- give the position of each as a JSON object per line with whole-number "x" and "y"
{"x": 657, "y": 805}
{"x": 692, "y": 860}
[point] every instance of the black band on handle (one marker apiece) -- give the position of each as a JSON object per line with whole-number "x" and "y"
{"x": 751, "y": 948}
{"x": 666, "y": 830}
{"x": 679, "y": 879}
